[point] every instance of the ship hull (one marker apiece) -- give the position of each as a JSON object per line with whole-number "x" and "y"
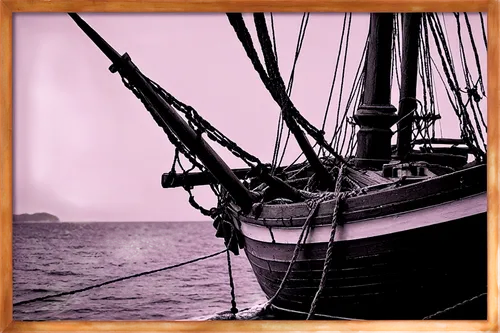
{"x": 396, "y": 254}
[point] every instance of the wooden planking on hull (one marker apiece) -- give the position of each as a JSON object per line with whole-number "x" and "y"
{"x": 394, "y": 278}
{"x": 431, "y": 215}
{"x": 433, "y": 191}
{"x": 437, "y": 266}
{"x": 456, "y": 242}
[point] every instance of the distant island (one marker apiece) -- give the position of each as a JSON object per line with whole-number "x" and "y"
{"x": 36, "y": 217}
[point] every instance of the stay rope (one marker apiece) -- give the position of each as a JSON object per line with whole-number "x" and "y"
{"x": 291, "y": 80}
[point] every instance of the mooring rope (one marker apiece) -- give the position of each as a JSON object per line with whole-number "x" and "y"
{"x": 120, "y": 279}
{"x": 234, "y": 309}
{"x": 358, "y": 319}
{"x": 453, "y": 307}
{"x": 352, "y": 319}
{"x": 329, "y": 251}
{"x": 302, "y": 239}
{"x": 318, "y": 315}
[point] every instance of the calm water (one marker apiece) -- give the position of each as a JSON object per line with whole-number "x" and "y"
{"x": 56, "y": 257}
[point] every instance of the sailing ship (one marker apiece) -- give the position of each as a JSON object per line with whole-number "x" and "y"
{"x": 371, "y": 230}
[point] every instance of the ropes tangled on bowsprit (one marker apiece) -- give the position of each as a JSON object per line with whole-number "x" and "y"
{"x": 201, "y": 126}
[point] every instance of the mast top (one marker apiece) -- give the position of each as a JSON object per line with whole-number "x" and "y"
{"x": 107, "y": 49}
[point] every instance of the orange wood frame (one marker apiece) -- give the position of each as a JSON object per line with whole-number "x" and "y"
{"x": 9, "y": 7}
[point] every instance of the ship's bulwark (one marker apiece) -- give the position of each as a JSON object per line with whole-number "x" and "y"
{"x": 434, "y": 258}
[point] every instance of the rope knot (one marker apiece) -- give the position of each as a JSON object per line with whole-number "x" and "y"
{"x": 340, "y": 201}
{"x": 214, "y": 212}
{"x": 472, "y": 92}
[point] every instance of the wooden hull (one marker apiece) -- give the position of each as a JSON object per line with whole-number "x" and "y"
{"x": 397, "y": 255}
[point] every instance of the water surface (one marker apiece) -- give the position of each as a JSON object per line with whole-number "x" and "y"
{"x": 51, "y": 258}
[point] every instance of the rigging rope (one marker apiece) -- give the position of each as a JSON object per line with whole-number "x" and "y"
{"x": 465, "y": 67}
{"x": 476, "y": 55}
{"x": 394, "y": 50}
{"x": 342, "y": 79}
{"x": 200, "y": 125}
{"x": 427, "y": 79}
{"x": 485, "y": 40}
{"x": 340, "y": 129}
{"x": 467, "y": 131}
{"x": 179, "y": 146}
{"x": 274, "y": 83}
{"x": 300, "y": 40}
{"x": 275, "y": 48}
{"x": 428, "y": 58}
{"x": 335, "y": 71}
{"x": 471, "y": 89}
{"x": 119, "y": 279}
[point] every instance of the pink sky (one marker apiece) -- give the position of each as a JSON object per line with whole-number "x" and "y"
{"x": 85, "y": 149}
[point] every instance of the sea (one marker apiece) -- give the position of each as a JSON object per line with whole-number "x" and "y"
{"x": 51, "y": 258}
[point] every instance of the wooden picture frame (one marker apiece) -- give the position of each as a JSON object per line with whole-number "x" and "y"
{"x": 10, "y": 7}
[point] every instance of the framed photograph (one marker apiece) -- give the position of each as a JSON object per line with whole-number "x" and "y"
{"x": 248, "y": 166}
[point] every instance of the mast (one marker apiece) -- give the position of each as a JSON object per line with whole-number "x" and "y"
{"x": 376, "y": 115}
{"x": 172, "y": 120}
{"x": 408, "y": 90}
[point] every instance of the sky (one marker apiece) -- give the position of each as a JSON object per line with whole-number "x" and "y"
{"x": 85, "y": 149}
